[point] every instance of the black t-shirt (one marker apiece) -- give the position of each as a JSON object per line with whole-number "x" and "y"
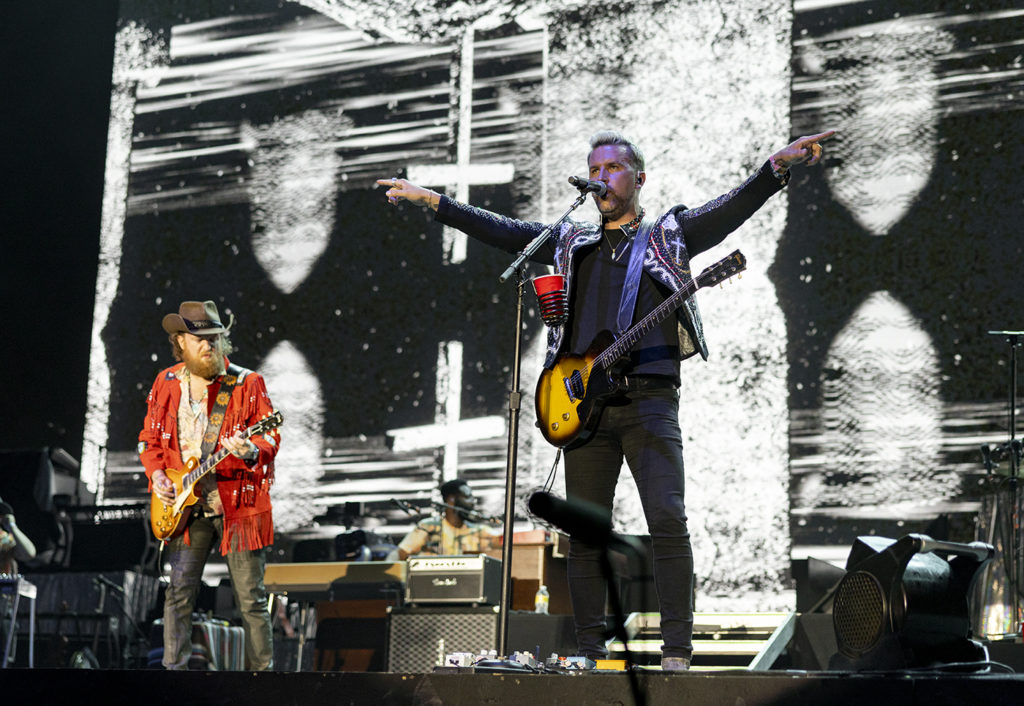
{"x": 596, "y": 294}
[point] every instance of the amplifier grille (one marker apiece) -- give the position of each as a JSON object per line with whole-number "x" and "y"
{"x": 415, "y": 636}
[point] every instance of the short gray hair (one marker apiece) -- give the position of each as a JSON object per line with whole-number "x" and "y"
{"x": 614, "y": 137}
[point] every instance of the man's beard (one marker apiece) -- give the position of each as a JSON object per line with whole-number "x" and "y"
{"x": 206, "y": 368}
{"x": 613, "y": 208}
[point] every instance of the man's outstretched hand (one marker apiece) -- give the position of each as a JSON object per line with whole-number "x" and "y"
{"x": 403, "y": 189}
{"x": 804, "y": 150}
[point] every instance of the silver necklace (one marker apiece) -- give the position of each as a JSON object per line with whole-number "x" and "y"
{"x": 627, "y": 239}
{"x": 616, "y": 253}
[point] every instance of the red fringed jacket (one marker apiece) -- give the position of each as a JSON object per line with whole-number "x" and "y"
{"x": 244, "y": 486}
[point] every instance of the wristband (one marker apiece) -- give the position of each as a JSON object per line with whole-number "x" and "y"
{"x": 778, "y": 171}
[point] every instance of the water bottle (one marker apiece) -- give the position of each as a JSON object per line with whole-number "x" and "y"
{"x": 541, "y": 600}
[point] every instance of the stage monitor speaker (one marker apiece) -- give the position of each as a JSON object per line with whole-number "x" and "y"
{"x": 419, "y": 638}
{"x": 901, "y": 605}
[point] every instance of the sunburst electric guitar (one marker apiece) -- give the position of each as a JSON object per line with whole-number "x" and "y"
{"x": 168, "y": 521}
{"x": 571, "y": 395}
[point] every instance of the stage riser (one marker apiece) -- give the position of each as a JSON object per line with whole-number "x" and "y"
{"x": 369, "y": 689}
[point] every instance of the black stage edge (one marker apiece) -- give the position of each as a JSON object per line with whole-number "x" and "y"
{"x": 68, "y": 686}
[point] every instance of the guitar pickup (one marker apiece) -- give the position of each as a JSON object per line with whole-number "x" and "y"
{"x": 568, "y": 389}
{"x": 574, "y": 386}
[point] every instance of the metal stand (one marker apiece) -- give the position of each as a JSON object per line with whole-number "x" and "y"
{"x": 514, "y": 402}
{"x": 1010, "y": 450}
{"x": 16, "y": 587}
{"x": 639, "y": 698}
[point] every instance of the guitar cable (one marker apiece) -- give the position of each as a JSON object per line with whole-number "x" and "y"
{"x": 551, "y": 474}
{"x": 546, "y": 488}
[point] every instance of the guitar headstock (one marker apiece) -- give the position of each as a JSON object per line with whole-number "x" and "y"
{"x": 722, "y": 270}
{"x": 271, "y": 421}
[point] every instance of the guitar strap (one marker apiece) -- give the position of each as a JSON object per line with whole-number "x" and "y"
{"x": 227, "y": 384}
{"x": 632, "y": 284}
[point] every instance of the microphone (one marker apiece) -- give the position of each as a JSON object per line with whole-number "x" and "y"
{"x": 467, "y": 514}
{"x": 409, "y": 509}
{"x": 579, "y": 519}
{"x": 598, "y": 187}
{"x": 582, "y": 520}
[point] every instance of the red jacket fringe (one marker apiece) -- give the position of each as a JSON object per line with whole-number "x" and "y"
{"x": 244, "y": 487}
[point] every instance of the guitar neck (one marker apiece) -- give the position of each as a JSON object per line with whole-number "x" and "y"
{"x": 205, "y": 467}
{"x": 210, "y": 463}
{"x": 624, "y": 343}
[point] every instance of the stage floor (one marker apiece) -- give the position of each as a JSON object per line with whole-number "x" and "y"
{"x": 468, "y": 689}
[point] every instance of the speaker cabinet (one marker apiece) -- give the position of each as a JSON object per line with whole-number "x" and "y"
{"x": 419, "y": 638}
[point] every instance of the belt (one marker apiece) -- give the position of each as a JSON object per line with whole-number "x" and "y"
{"x": 636, "y": 383}
{"x": 199, "y": 512}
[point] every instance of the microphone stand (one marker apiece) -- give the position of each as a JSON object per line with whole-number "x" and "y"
{"x": 619, "y": 630}
{"x": 514, "y": 401}
{"x": 1012, "y": 558}
{"x": 535, "y": 244}
{"x": 467, "y": 515}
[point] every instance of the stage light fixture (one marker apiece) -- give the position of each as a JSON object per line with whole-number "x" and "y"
{"x": 904, "y": 604}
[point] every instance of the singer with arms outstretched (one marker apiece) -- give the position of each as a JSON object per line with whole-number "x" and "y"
{"x": 642, "y": 426}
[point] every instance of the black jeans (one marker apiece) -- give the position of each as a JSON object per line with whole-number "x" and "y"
{"x": 246, "y": 569}
{"x": 644, "y": 430}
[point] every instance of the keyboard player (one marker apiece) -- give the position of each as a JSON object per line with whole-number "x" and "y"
{"x": 454, "y": 531}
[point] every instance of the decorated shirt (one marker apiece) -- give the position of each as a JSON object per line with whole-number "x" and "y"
{"x": 438, "y": 536}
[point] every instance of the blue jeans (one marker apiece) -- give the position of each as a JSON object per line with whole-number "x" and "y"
{"x": 246, "y": 571}
{"x": 643, "y": 430}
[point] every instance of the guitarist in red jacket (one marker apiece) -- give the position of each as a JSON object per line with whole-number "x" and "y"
{"x": 233, "y": 509}
{"x": 641, "y": 424}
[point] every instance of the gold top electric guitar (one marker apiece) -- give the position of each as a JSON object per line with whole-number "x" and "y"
{"x": 572, "y": 394}
{"x": 168, "y": 521}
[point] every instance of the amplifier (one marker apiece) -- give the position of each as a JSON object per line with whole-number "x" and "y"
{"x": 454, "y": 580}
{"x": 419, "y": 638}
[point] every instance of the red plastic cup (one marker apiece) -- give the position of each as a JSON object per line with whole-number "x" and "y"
{"x": 547, "y": 283}
{"x": 550, "y": 291}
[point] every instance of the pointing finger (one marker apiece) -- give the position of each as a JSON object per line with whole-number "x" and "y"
{"x": 820, "y": 137}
